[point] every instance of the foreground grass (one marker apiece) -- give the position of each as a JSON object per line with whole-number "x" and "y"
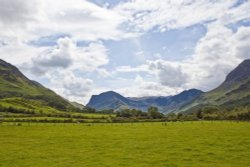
{"x": 151, "y": 144}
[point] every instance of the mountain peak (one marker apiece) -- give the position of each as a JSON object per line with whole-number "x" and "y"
{"x": 233, "y": 92}
{"x": 11, "y": 73}
{"x": 110, "y": 92}
{"x": 241, "y": 72}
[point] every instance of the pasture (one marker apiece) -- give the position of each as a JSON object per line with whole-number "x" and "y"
{"x": 174, "y": 144}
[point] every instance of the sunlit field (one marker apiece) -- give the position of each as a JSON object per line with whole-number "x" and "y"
{"x": 128, "y": 144}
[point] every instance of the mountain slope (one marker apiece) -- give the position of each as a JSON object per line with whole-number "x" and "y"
{"x": 113, "y": 100}
{"x": 233, "y": 92}
{"x": 14, "y": 84}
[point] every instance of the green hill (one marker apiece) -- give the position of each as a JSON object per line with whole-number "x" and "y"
{"x": 15, "y": 86}
{"x": 232, "y": 93}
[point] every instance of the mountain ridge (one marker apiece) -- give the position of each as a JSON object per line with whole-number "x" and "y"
{"x": 165, "y": 104}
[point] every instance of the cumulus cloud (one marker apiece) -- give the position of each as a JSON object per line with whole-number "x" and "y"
{"x": 91, "y": 57}
{"x": 242, "y": 48}
{"x": 82, "y": 20}
{"x": 215, "y": 55}
{"x": 22, "y": 21}
{"x": 57, "y": 65}
{"x": 68, "y": 67}
{"x": 67, "y": 84}
{"x": 58, "y": 57}
{"x": 142, "y": 87}
{"x": 169, "y": 73}
{"x": 17, "y": 12}
{"x": 67, "y": 55}
{"x": 16, "y": 19}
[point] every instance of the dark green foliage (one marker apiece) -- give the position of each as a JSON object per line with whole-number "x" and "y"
{"x": 128, "y": 113}
{"x": 107, "y": 111}
{"x": 213, "y": 113}
{"x": 154, "y": 113}
{"x": 88, "y": 110}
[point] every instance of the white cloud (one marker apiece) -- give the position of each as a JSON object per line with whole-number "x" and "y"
{"x": 216, "y": 54}
{"x": 67, "y": 84}
{"x": 241, "y": 43}
{"x": 67, "y": 55}
{"x": 91, "y": 57}
{"x": 82, "y": 20}
{"x": 141, "y": 87}
{"x": 15, "y": 13}
{"x": 23, "y": 21}
{"x": 58, "y": 57}
{"x": 57, "y": 65}
{"x": 19, "y": 53}
{"x": 141, "y": 68}
{"x": 103, "y": 73}
{"x": 147, "y": 14}
{"x": 169, "y": 73}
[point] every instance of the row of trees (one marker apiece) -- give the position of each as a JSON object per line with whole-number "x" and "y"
{"x": 134, "y": 115}
{"x": 152, "y": 113}
{"x": 213, "y": 113}
{"x": 34, "y": 113}
{"x": 16, "y": 110}
{"x": 206, "y": 113}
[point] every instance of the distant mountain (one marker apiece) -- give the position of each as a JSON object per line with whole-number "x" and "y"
{"x": 13, "y": 84}
{"x": 77, "y": 105}
{"x": 166, "y": 104}
{"x": 233, "y": 92}
{"x": 108, "y": 100}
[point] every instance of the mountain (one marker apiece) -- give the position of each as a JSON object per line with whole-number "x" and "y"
{"x": 108, "y": 100}
{"x": 165, "y": 104}
{"x": 77, "y": 105}
{"x": 233, "y": 92}
{"x": 13, "y": 84}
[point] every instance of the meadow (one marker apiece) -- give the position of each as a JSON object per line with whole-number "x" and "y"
{"x": 172, "y": 144}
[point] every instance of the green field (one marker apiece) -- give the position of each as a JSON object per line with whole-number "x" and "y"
{"x": 215, "y": 144}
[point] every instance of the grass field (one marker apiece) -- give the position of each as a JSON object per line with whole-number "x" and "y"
{"x": 215, "y": 144}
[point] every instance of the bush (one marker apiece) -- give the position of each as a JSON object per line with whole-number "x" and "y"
{"x": 153, "y": 113}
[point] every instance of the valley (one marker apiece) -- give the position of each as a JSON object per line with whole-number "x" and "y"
{"x": 196, "y": 144}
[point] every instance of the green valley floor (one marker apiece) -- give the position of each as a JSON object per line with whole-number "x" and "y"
{"x": 201, "y": 144}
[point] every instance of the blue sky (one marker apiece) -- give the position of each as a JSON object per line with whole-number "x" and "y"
{"x": 137, "y": 48}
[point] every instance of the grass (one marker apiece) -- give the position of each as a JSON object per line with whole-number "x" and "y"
{"x": 201, "y": 144}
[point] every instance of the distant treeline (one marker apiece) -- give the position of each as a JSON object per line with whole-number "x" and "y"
{"x": 129, "y": 115}
{"x": 206, "y": 113}
{"x": 35, "y": 113}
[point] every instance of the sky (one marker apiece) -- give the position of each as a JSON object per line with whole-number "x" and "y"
{"x": 137, "y": 48}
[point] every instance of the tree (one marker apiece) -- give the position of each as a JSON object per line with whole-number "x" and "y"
{"x": 199, "y": 114}
{"x": 154, "y": 113}
{"x": 172, "y": 117}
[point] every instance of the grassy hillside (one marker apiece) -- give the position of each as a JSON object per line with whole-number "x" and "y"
{"x": 14, "y": 84}
{"x": 234, "y": 92}
{"x": 201, "y": 144}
